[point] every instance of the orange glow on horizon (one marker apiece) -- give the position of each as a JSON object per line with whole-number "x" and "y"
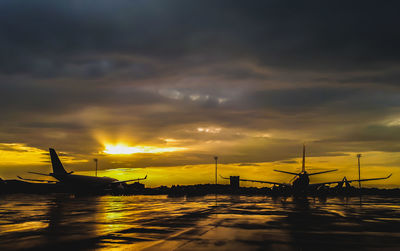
{"x": 14, "y": 154}
{"x": 120, "y": 161}
{"x": 204, "y": 173}
{"x": 18, "y": 154}
{"x": 123, "y": 149}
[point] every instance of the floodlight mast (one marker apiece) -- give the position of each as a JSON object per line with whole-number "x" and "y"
{"x": 359, "y": 172}
{"x": 216, "y": 169}
{"x": 95, "y": 160}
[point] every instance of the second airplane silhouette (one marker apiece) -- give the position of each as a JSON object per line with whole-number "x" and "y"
{"x": 301, "y": 180}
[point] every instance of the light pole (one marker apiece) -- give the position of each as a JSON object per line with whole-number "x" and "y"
{"x": 95, "y": 160}
{"x": 359, "y": 172}
{"x": 216, "y": 169}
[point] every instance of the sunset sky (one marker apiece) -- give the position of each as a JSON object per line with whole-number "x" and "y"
{"x": 160, "y": 87}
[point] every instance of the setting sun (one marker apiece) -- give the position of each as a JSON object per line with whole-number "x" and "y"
{"x": 125, "y": 149}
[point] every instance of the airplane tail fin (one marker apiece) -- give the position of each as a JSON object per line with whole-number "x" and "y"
{"x": 56, "y": 163}
{"x": 303, "y": 167}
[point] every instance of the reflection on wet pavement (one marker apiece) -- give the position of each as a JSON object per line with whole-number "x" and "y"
{"x": 198, "y": 223}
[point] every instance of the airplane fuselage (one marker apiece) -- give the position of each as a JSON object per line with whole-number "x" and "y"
{"x": 81, "y": 184}
{"x": 84, "y": 180}
{"x": 301, "y": 183}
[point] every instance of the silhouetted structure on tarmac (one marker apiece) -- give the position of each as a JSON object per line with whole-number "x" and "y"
{"x": 234, "y": 182}
{"x": 2, "y": 184}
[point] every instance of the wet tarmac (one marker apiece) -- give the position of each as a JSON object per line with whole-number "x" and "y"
{"x": 62, "y": 222}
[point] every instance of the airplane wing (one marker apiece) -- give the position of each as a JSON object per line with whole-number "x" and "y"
{"x": 285, "y": 172}
{"x": 40, "y": 173}
{"x": 323, "y": 172}
{"x": 349, "y": 181}
{"x": 48, "y": 181}
{"x": 261, "y": 181}
{"x": 124, "y": 181}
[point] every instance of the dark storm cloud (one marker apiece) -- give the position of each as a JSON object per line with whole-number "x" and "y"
{"x": 376, "y": 133}
{"x": 296, "y": 99}
{"x": 165, "y": 68}
{"x": 386, "y": 76}
{"x": 367, "y": 138}
{"x": 43, "y": 37}
{"x": 35, "y": 97}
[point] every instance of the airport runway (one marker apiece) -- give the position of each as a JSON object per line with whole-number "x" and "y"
{"x": 62, "y": 222}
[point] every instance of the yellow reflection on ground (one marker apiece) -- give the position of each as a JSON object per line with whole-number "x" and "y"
{"x": 24, "y": 226}
{"x": 121, "y": 148}
{"x": 112, "y": 214}
{"x": 121, "y": 220}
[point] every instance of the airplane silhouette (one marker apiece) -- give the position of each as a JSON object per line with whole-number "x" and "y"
{"x": 73, "y": 180}
{"x": 301, "y": 180}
